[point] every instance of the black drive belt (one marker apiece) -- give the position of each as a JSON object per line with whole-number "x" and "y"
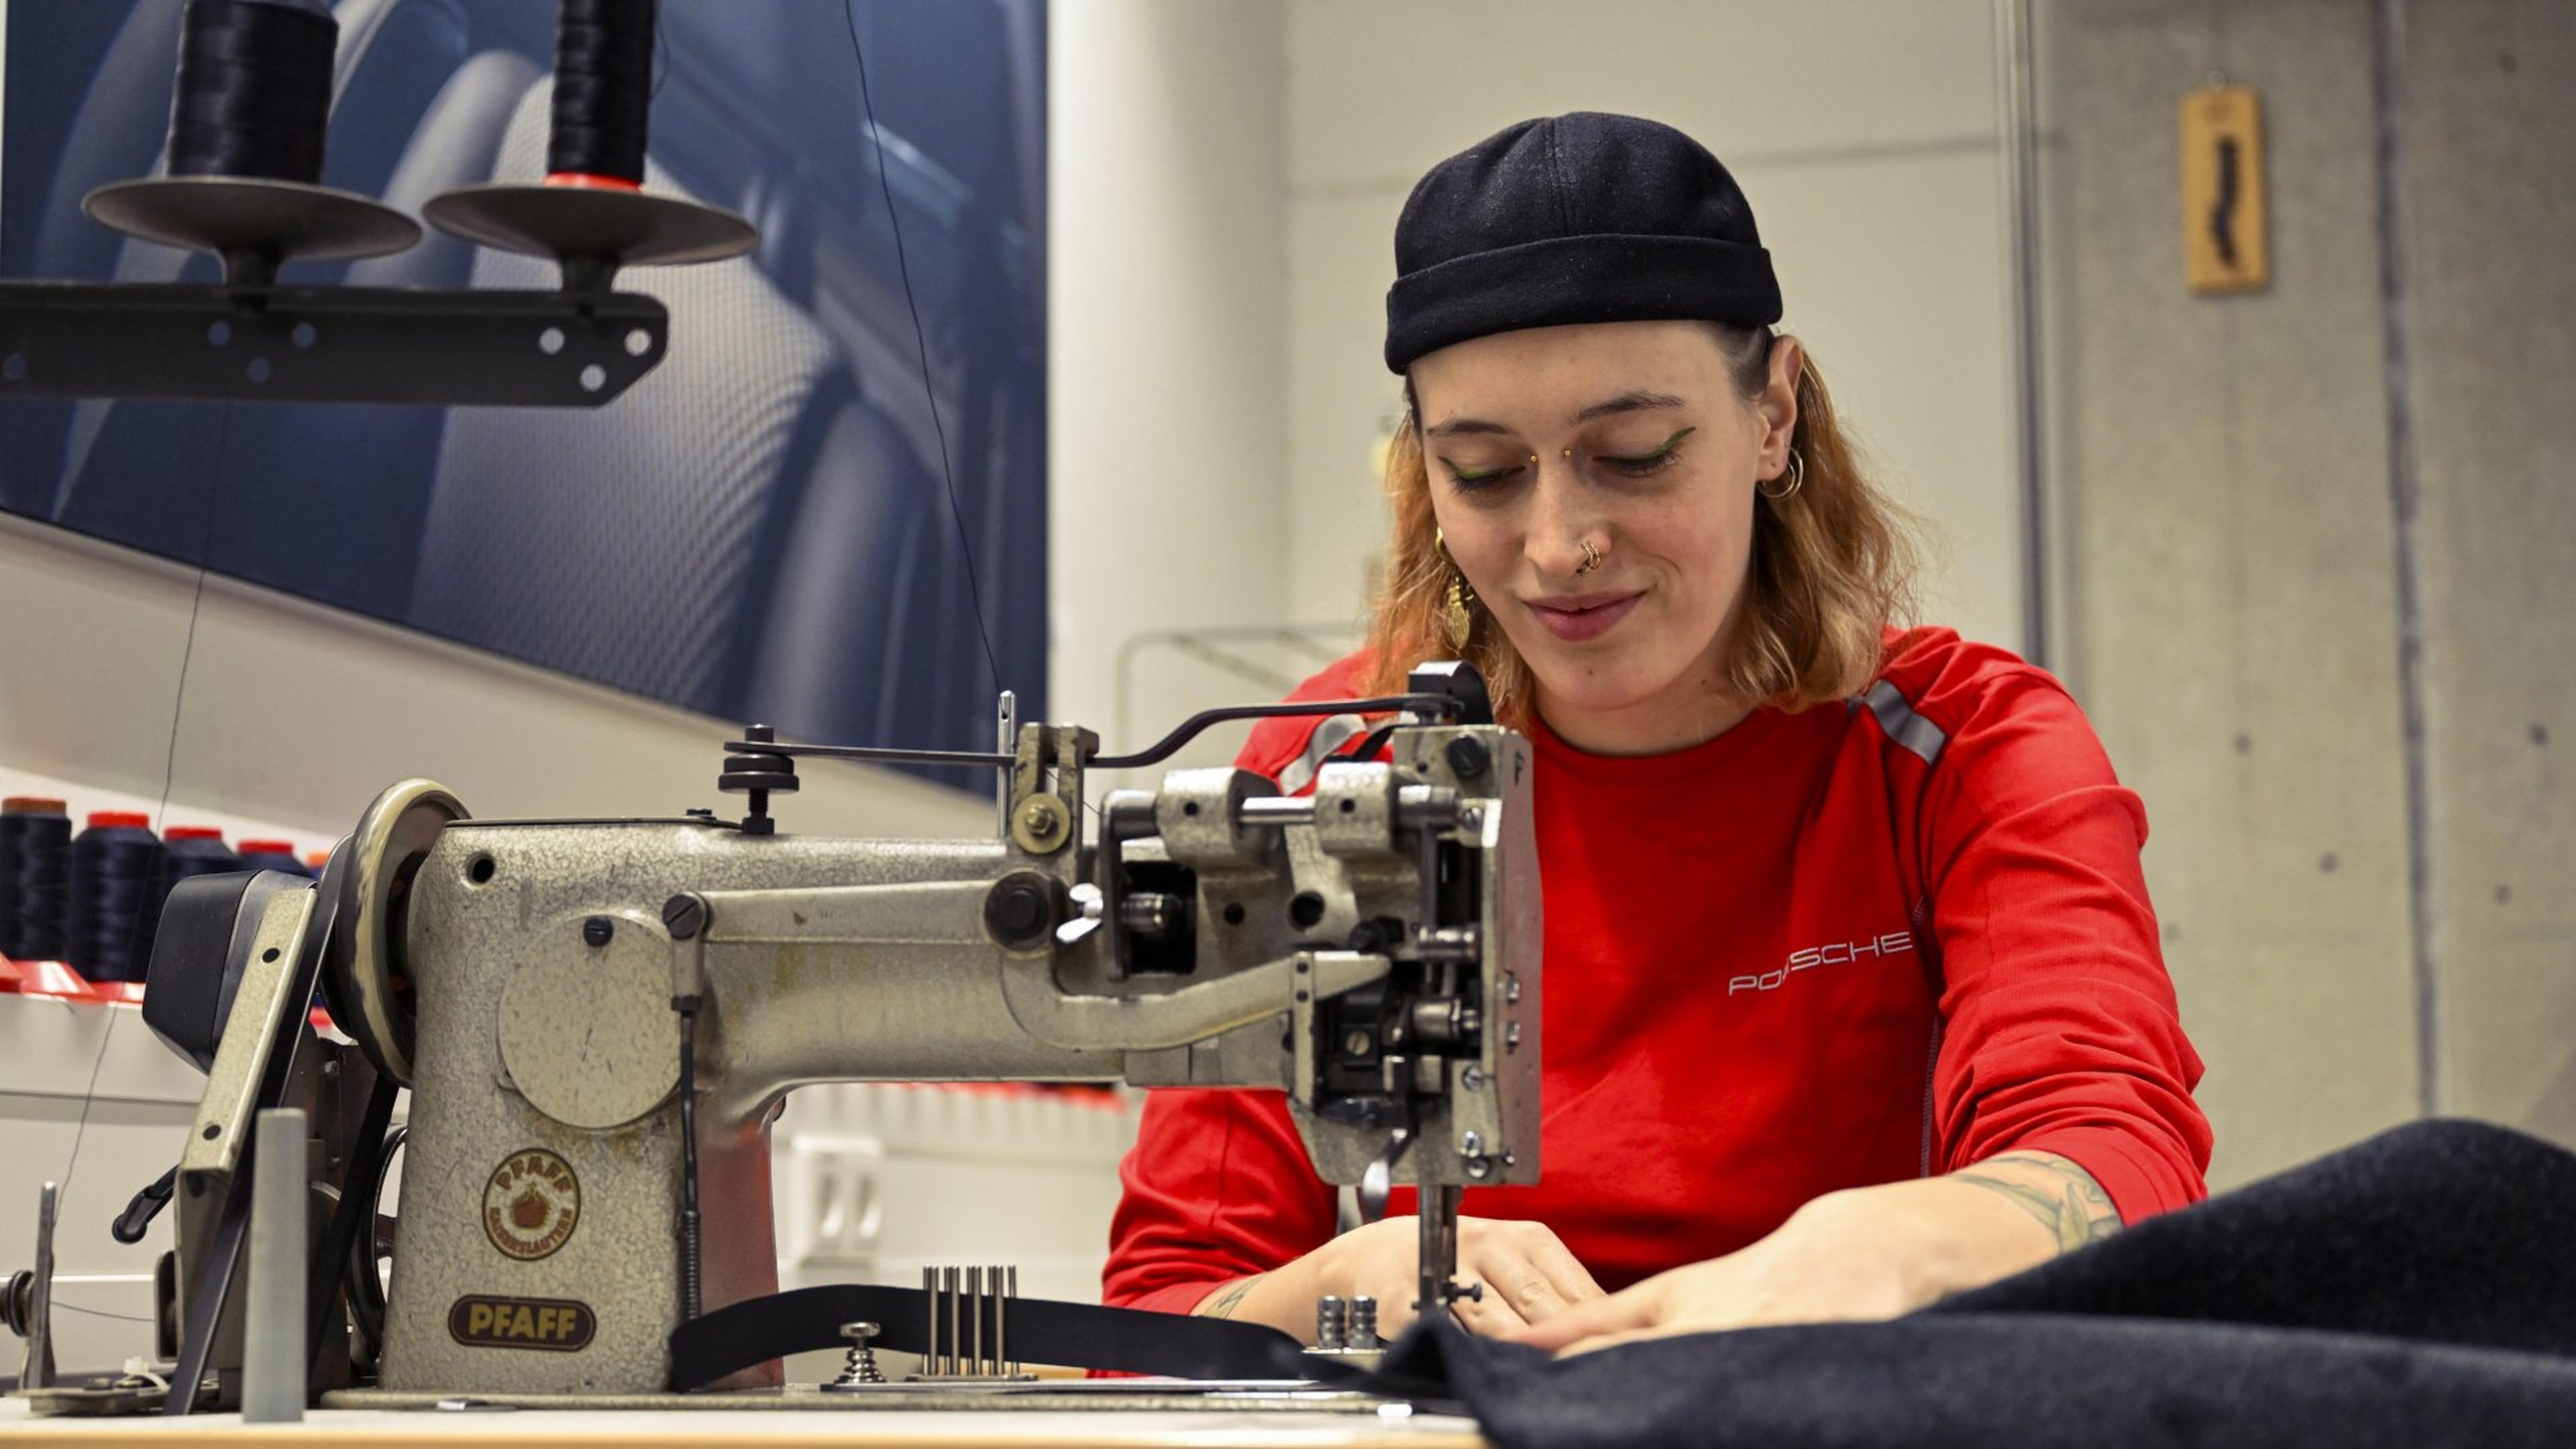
{"x": 1072, "y": 1335}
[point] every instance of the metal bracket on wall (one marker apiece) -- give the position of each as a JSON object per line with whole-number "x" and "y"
{"x": 223, "y": 343}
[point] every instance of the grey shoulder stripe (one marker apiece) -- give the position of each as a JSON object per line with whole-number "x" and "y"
{"x": 1897, "y": 718}
{"x": 1334, "y": 732}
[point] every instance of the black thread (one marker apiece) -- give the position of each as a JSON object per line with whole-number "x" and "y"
{"x": 119, "y": 872}
{"x": 35, "y": 860}
{"x": 948, "y": 475}
{"x": 603, "y": 88}
{"x": 195, "y": 854}
{"x": 254, "y": 91}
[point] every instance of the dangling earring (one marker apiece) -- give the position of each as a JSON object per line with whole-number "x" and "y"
{"x": 1455, "y": 622}
{"x": 1796, "y": 473}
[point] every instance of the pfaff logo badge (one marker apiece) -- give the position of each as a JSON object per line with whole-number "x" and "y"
{"x": 556, "y": 1325}
{"x": 531, "y": 1204}
{"x": 1894, "y": 943}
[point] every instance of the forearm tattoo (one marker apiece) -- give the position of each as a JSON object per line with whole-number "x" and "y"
{"x": 1223, "y": 1304}
{"x": 2078, "y": 1211}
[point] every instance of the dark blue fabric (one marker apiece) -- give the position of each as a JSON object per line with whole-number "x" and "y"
{"x": 2418, "y": 1289}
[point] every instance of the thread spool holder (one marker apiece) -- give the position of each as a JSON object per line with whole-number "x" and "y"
{"x": 254, "y": 224}
{"x": 249, "y": 339}
{"x": 591, "y": 231}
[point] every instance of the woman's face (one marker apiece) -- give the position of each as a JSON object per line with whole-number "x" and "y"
{"x": 1632, "y": 436}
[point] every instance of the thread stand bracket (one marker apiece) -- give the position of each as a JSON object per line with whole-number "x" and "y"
{"x": 445, "y": 347}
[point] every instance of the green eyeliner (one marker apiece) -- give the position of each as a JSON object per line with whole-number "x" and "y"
{"x": 1670, "y": 443}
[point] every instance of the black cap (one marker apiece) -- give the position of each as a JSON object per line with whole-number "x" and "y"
{"x": 1578, "y": 218}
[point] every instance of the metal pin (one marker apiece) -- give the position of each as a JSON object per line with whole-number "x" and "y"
{"x": 956, "y": 1338}
{"x": 930, "y": 1340}
{"x": 1006, "y": 731}
{"x": 1363, "y": 1323}
{"x": 1001, "y": 1325}
{"x": 1330, "y": 1318}
{"x": 975, "y": 1303}
{"x": 1011, "y": 1285}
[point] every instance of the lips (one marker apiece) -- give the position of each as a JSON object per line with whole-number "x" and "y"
{"x": 1582, "y": 616}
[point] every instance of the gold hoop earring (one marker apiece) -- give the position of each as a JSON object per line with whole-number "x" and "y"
{"x": 1456, "y": 622}
{"x": 1796, "y": 473}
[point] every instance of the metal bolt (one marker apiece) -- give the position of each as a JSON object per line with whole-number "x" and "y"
{"x": 1468, "y": 757}
{"x": 1473, "y": 1078}
{"x": 1480, "y": 1168}
{"x": 596, "y": 931}
{"x": 1512, "y": 988}
{"x": 684, "y": 915}
{"x": 1471, "y": 1144}
{"x": 1471, "y": 817}
{"x": 1039, "y": 824}
{"x": 1357, "y": 1044}
{"x": 859, "y": 1366}
{"x": 1512, "y": 1037}
{"x": 1331, "y": 1322}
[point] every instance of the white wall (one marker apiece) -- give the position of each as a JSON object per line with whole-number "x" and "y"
{"x": 297, "y": 715}
{"x": 1168, "y": 447}
{"x": 1864, "y": 131}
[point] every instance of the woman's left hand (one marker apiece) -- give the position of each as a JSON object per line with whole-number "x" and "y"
{"x": 1825, "y": 1263}
{"x": 1865, "y": 1253}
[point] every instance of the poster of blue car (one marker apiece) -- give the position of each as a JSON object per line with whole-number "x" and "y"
{"x": 815, "y": 512}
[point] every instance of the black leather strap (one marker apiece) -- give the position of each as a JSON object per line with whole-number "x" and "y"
{"x": 1074, "y": 1335}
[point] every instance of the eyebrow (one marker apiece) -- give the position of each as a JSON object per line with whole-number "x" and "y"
{"x": 1626, "y": 402}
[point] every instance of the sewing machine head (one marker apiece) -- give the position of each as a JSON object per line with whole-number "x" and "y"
{"x": 598, "y": 1018}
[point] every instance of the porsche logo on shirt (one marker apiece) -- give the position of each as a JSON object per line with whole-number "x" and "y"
{"x": 1893, "y": 943}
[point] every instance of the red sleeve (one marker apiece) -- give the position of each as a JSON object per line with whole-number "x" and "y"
{"x": 2060, "y": 1029}
{"x": 1217, "y": 1188}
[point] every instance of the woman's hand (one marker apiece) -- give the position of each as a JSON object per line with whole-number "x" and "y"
{"x": 1527, "y": 1274}
{"x": 1866, "y": 1253}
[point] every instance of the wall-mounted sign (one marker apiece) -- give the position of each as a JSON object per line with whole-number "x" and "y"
{"x": 2224, "y": 241}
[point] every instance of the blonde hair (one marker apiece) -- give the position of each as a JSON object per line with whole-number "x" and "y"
{"x": 1832, "y": 567}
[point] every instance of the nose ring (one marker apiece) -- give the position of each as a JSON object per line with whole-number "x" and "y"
{"x": 1591, "y": 558}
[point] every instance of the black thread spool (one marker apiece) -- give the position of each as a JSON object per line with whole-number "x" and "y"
{"x": 118, "y": 876}
{"x": 35, "y": 849}
{"x": 603, "y": 93}
{"x": 277, "y": 855}
{"x": 592, "y": 215}
{"x": 254, "y": 91}
{"x": 248, "y": 119}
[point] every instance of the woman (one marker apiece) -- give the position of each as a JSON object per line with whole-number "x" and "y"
{"x": 1853, "y": 993}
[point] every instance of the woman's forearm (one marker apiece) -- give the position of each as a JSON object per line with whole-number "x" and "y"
{"x": 1981, "y": 1223}
{"x": 1273, "y": 1298}
{"x": 1862, "y": 1253}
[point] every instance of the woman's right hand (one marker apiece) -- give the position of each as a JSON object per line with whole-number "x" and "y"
{"x": 1527, "y": 1274}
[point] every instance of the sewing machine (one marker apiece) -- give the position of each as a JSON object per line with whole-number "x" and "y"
{"x": 599, "y": 1018}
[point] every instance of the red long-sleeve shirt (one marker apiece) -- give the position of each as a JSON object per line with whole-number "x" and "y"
{"x": 1823, "y": 950}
